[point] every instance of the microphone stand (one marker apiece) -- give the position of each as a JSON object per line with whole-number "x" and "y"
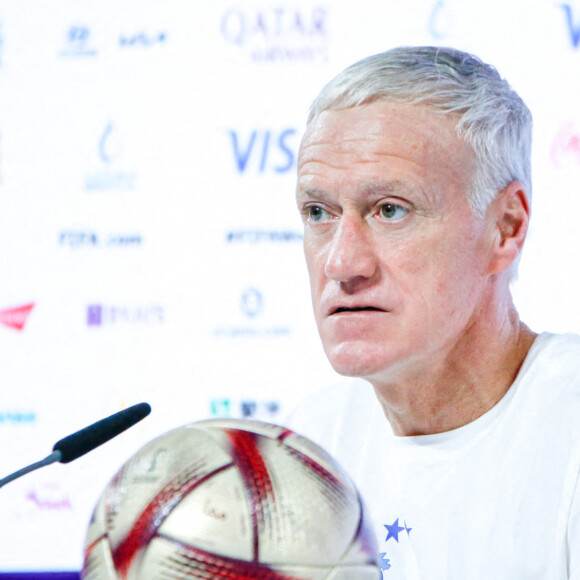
{"x": 87, "y": 439}
{"x": 52, "y": 458}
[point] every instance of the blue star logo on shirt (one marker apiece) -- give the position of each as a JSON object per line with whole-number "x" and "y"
{"x": 385, "y": 562}
{"x": 394, "y": 530}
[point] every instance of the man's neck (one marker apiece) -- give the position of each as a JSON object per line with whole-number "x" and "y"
{"x": 453, "y": 388}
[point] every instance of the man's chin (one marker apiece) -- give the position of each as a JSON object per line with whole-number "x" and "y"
{"x": 358, "y": 359}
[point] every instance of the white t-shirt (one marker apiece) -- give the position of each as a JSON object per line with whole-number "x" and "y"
{"x": 497, "y": 499}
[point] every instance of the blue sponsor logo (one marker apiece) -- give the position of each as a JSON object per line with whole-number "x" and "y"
{"x": 110, "y": 175}
{"x": 99, "y": 315}
{"x": 142, "y": 39}
{"x": 278, "y": 33}
{"x": 17, "y": 417}
{"x": 110, "y": 145}
{"x": 220, "y": 407}
{"x": 252, "y": 305}
{"x": 260, "y": 408}
{"x": 252, "y": 332}
{"x": 573, "y": 25}
{"x": 76, "y": 239}
{"x": 439, "y": 24}
{"x": 251, "y": 302}
{"x": 78, "y": 42}
{"x": 264, "y": 151}
{"x": 245, "y": 408}
{"x": 263, "y": 236}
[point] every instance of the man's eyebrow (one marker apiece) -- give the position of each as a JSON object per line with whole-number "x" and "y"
{"x": 313, "y": 193}
{"x": 373, "y": 189}
{"x": 379, "y": 188}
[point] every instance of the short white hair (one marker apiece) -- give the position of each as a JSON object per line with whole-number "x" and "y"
{"x": 493, "y": 119}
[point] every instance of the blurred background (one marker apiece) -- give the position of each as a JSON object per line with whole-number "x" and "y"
{"x": 150, "y": 249}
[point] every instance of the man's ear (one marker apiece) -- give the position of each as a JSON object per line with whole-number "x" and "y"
{"x": 510, "y": 216}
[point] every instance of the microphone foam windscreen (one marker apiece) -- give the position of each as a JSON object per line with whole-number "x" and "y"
{"x": 87, "y": 439}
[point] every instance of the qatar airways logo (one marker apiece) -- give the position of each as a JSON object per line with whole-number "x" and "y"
{"x": 279, "y": 33}
{"x": 566, "y": 146}
{"x": 16, "y": 316}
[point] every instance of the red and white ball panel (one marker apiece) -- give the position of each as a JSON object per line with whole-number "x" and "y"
{"x": 230, "y": 499}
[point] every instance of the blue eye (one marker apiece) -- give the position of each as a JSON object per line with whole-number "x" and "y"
{"x": 393, "y": 211}
{"x": 316, "y": 213}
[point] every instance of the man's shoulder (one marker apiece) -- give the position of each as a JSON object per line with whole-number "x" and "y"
{"x": 548, "y": 390}
{"x": 331, "y": 411}
{"x": 554, "y": 357}
{"x": 558, "y": 344}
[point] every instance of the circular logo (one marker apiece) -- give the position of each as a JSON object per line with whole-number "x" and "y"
{"x": 252, "y": 302}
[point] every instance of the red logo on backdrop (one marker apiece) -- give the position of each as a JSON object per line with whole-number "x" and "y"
{"x": 16, "y": 317}
{"x": 566, "y": 146}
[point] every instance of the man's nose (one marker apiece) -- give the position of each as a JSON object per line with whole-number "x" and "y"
{"x": 351, "y": 255}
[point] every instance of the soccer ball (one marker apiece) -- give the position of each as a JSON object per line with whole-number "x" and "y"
{"x": 230, "y": 499}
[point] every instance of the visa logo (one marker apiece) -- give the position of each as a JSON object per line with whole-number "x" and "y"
{"x": 573, "y": 27}
{"x": 264, "y": 151}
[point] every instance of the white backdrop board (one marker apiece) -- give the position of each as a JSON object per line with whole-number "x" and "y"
{"x": 150, "y": 249}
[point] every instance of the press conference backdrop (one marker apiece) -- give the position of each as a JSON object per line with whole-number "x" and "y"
{"x": 150, "y": 249}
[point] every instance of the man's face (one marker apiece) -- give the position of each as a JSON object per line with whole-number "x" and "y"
{"x": 397, "y": 261}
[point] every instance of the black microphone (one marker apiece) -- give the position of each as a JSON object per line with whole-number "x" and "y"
{"x": 87, "y": 439}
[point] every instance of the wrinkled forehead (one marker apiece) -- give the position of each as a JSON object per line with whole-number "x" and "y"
{"x": 383, "y": 134}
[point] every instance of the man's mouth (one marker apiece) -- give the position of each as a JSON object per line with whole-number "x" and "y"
{"x": 357, "y": 309}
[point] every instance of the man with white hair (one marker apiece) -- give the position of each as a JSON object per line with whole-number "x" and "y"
{"x": 414, "y": 185}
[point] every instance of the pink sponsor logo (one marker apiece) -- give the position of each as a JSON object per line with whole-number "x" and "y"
{"x": 566, "y": 146}
{"x": 16, "y": 316}
{"x": 49, "y": 498}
